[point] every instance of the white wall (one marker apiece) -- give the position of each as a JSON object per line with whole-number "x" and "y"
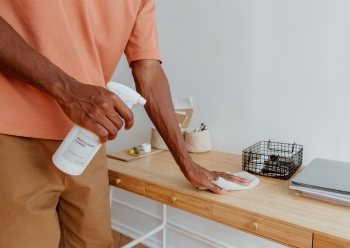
{"x": 257, "y": 70}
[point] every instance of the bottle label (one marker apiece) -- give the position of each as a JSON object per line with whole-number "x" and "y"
{"x": 80, "y": 149}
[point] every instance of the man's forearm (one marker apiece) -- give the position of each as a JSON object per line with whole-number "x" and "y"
{"x": 21, "y": 61}
{"x": 152, "y": 84}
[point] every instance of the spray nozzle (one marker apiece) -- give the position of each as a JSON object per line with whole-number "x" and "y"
{"x": 128, "y": 95}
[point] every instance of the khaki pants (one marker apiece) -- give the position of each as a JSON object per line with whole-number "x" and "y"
{"x": 32, "y": 188}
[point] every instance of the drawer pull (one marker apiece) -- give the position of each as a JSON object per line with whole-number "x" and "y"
{"x": 172, "y": 199}
{"x": 116, "y": 181}
{"x": 253, "y": 226}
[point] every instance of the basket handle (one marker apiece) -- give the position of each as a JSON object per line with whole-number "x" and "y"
{"x": 279, "y": 150}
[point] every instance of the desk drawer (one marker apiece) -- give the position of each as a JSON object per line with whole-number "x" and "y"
{"x": 262, "y": 227}
{"x": 178, "y": 200}
{"x": 323, "y": 241}
{"x": 126, "y": 182}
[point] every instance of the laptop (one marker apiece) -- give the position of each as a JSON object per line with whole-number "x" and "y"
{"x": 324, "y": 179}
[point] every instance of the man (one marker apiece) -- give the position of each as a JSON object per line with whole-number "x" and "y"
{"x": 55, "y": 59}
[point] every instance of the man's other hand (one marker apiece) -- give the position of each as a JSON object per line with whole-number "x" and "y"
{"x": 201, "y": 177}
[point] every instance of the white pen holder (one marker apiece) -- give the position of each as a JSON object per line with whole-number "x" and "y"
{"x": 157, "y": 141}
{"x": 197, "y": 142}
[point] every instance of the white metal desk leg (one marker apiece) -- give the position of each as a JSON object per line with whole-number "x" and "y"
{"x": 155, "y": 230}
{"x": 110, "y": 195}
{"x": 164, "y": 225}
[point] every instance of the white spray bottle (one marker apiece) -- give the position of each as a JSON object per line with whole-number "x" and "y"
{"x": 81, "y": 145}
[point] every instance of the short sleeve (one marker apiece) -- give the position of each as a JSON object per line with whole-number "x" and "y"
{"x": 143, "y": 41}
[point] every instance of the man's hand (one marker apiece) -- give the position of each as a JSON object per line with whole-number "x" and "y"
{"x": 95, "y": 109}
{"x": 152, "y": 84}
{"x": 202, "y": 177}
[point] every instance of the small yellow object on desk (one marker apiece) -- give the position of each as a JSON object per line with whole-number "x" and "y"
{"x": 131, "y": 151}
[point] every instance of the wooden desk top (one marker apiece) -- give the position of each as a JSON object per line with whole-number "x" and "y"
{"x": 271, "y": 202}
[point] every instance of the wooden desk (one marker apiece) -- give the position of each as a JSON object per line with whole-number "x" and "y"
{"x": 270, "y": 210}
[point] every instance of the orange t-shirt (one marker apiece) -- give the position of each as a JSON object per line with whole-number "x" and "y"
{"x": 85, "y": 39}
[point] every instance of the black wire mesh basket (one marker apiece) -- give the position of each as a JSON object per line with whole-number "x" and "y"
{"x": 272, "y": 159}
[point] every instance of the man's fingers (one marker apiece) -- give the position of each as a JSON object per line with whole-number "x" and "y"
{"x": 113, "y": 123}
{"x": 209, "y": 185}
{"x": 109, "y": 114}
{"x": 106, "y": 109}
{"x": 238, "y": 180}
{"x": 99, "y": 130}
{"x": 105, "y": 117}
{"x": 232, "y": 178}
{"x": 123, "y": 111}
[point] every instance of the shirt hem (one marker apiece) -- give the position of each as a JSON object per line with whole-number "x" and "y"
{"x": 144, "y": 55}
{"x": 32, "y": 132}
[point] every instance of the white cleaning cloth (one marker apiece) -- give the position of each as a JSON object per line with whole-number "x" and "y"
{"x": 228, "y": 185}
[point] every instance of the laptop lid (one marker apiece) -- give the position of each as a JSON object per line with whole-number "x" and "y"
{"x": 324, "y": 174}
